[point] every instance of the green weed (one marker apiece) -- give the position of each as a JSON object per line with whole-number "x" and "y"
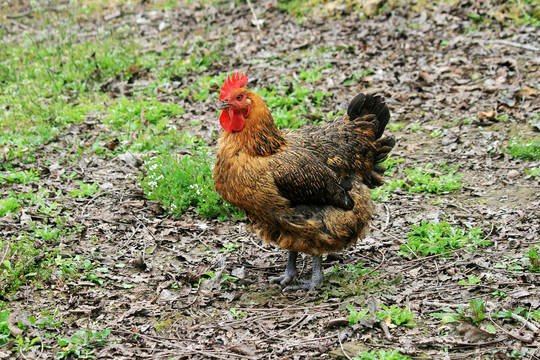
{"x": 5, "y": 333}
{"x": 85, "y": 190}
{"x": 77, "y": 268}
{"x": 475, "y": 312}
{"x": 381, "y": 355}
{"x": 533, "y": 173}
{"x": 181, "y": 182}
{"x": 203, "y": 88}
{"x": 142, "y": 125}
{"x": 313, "y": 75}
{"x": 432, "y": 180}
{"x": 534, "y": 259}
{"x": 82, "y": 344}
{"x": 356, "y": 316}
{"x": 471, "y": 280}
{"x": 525, "y": 149}
{"x": 23, "y": 262}
{"x": 393, "y": 127}
{"x": 9, "y": 205}
{"x": 437, "y": 238}
{"x": 229, "y": 247}
{"x": 237, "y": 314}
{"x": 398, "y": 316}
{"x": 20, "y": 177}
{"x": 288, "y": 103}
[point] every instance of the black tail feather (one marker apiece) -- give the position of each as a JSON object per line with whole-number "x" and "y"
{"x": 363, "y": 105}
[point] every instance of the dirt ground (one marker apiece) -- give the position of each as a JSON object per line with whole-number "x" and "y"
{"x": 437, "y": 77}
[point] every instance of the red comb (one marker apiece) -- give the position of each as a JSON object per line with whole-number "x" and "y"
{"x": 234, "y": 81}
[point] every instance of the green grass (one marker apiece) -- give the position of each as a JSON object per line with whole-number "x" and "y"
{"x": 23, "y": 264}
{"x": 430, "y": 179}
{"x": 82, "y": 344}
{"x": 394, "y": 314}
{"x": 534, "y": 259}
{"x": 181, "y": 182}
{"x": 289, "y": 103}
{"x": 85, "y": 190}
{"x": 525, "y": 149}
{"x": 438, "y": 238}
{"x": 475, "y": 312}
{"x": 381, "y": 355}
{"x": 438, "y": 180}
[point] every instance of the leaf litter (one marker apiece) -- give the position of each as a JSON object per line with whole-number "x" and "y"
{"x": 164, "y": 294}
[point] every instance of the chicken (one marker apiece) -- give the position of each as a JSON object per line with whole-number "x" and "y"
{"x": 305, "y": 190}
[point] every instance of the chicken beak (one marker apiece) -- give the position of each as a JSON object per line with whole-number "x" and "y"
{"x": 223, "y": 105}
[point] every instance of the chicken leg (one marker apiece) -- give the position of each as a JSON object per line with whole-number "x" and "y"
{"x": 316, "y": 277}
{"x": 290, "y": 270}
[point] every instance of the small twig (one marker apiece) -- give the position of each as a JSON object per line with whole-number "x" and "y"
{"x": 529, "y": 324}
{"x": 341, "y": 346}
{"x": 98, "y": 194}
{"x": 287, "y": 328}
{"x": 387, "y": 217}
{"x": 377, "y": 268}
{"x": 255, "y": 19}
{"x": 442, "y": 305}
{"x": 508, "y": 333}
{"x": 514, "y": 44}
{"x": 5, "y": 253}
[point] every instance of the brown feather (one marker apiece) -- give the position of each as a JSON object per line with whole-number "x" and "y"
{"x": 296, "y": 187}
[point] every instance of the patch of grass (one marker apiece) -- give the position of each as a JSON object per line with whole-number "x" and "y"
{"x": 393, "y": 127}
{"x": 475, "y": 312}
{"x": 9, "y": 205}
{"x": 398, "y": 316}
{"x": 288, "y": 103}
{"x": 525, "y": 149}
{"x": 203, "y": 88}
{"x": 521, "y": 12}
{"x": 20, "y": 177}
{"x": 442, "y": 180}
{"x": 392, "y": 314}
{"x": 437, "y": 238}
{"x": 358, "y": 75}
{"x": 430, "y": 179}
{"x": 23, "y": 262}
{"x": 313, "y": 75}
{"x": 51, "y": 82}
{"x": 82, "y": 344}
{"x": 77, "y": 268}
{"x": 181, "y": 182}
{"x": 5, "y": 333}
{"x": 533, "y": 173}
{"x": 85, "y": 190}
{"x": 471, "y": 280}
{"x": 534, "y": 259}
{"x": 142, "y": 125}
{"x": 381, "y": 355}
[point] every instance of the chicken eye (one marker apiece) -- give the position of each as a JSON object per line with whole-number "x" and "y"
{"x": 239, "y": 97}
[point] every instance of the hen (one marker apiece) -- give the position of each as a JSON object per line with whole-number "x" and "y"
{"x": 305, "y": 190}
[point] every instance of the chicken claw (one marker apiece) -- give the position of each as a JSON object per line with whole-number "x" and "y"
{"x": 290, "y": 271}
{"x": 316, "y": 277}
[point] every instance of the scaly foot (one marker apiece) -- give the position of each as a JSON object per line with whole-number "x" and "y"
{"x": 290, "y": 271}
{"x": 316, "y": 277}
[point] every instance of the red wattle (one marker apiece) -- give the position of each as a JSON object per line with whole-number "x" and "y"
{"x": 231, "y": 121}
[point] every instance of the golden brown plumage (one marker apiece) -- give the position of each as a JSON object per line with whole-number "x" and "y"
{"x": 305, "y": 190}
